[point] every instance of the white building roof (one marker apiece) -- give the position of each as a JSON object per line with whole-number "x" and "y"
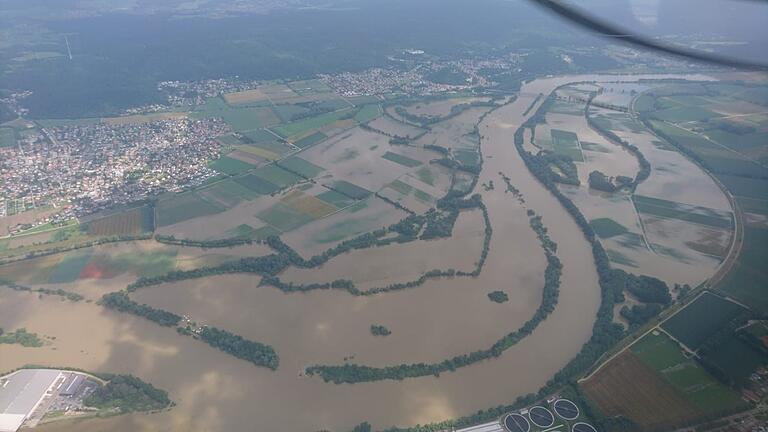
{"x": 11, "y": 422}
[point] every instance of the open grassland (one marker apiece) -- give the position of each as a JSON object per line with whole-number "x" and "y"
{"x": 308, "y": 87}
{"x": 701, "y": 319}
{"x": 184, "y": 207}
{"x": 127, "y": 222}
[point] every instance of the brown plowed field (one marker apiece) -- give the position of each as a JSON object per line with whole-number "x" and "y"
{"x": 627, "y": 387}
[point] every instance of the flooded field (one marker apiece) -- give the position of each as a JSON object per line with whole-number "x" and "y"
{"x": 443, "y": 317}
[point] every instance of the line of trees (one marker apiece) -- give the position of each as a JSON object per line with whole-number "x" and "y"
{"x": 205, "y": 244}
{"x": 254, "y": 352}
{"x": 119, "y": 301}
{"x": 47, "y": 291}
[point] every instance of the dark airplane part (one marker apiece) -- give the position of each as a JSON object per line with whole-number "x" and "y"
{"x": 582, "y": 19}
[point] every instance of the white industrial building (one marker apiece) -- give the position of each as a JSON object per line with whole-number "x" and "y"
{"x": 21, "y": 393}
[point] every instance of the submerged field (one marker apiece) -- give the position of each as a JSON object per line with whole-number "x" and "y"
{"x": 368, "y": 239}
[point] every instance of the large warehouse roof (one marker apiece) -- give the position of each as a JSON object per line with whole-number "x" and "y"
{"x": 21, "y": 392}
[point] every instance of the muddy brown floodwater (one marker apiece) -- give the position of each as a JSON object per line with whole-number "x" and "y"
{"x": 215, "y": 391}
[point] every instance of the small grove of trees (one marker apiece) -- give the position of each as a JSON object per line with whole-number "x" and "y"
{"x": 601, "y": 182}
{"x": 380, "y": 330}
{"x": 498, "y": 296}
{"x": 638, "y": 315}
{"x": 254, "y": 352}
{"x": 127, "y": 394}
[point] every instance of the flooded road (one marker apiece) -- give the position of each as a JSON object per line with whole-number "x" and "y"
{"x": 215, "y": 391}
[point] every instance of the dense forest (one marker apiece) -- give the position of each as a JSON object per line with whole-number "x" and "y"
{"x": 127, "y": 394}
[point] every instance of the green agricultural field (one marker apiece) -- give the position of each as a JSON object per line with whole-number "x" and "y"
{"x": 363, "y": 100}
{"x": 423, "y": 196}
{"x": 310, "y": 140}
{"x": 566, "y": 143}
{"x": 751, "y": 205}
{"x": 701, "y": 319}
{"x": 746, "y": 187}
{"x": 748, "y": 279}
{"x": 184, "y": 207}
{"x": 301, "y": 166}
{"x": 607, "y": 227}
{"x": 336, "y": 199}
{"x": 277, "y": 176}
{"x": 688, "y": 213}
{"x": 351, "y": 190}
{"x": 242, "y": 119}
{"x": 228, "y": 193}
{"x": 309, "y": 87}
{"x": 258, "y": 136}
{"x": 284, "y": 217}
{"x": 306, "y": 125}
{"x": 7, "y": 137}
{"x": 143, "y": 263}
{"x": 286, "y": 112}
{"x": 467, "y": 157}
{"x": 257, "y": 184}
{"x": 720, "y": 160}
{"x": 737, "y": 359}
{"x": 644, "y": 103}
{"x": 402, "y": 160}
{"x": 682, "y": 114}
{"x": 401, "y": 187}
{"x": 367, "y": 113}
{"x": 229, "y": 140}
{"x": 426, "y": 175}
{"x": 664, "y": 356}
{"x": 229, "y": 166}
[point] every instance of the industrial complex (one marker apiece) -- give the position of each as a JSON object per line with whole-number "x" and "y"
{"x": 27, "y": 395}
{"x": 561, "y": 415}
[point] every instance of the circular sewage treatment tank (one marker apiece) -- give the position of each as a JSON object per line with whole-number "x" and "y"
{"x": 566, "y": 409}
{"x": 516, "y": 423}
{"x": 583, "y": 427}
{"x": 541, "y": 417}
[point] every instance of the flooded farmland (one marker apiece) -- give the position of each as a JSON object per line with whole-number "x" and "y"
{"x": 442, "y": 318}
